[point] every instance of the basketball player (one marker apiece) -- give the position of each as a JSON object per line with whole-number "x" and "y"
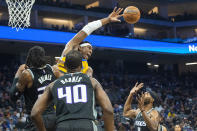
{"x": 145, "y": 117}
{"x": 85, "y": 47}
{"x": 74, "y": 95}
{"x": 31, "y": 80}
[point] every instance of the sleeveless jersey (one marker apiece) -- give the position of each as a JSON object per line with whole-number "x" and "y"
{"x": 41, "y": 78}
{"x": 73, "y": 95}
{"x": 83, "y": 70}
{"x": 140, "y": 124}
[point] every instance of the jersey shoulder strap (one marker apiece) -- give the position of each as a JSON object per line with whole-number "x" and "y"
{"x": 49, "y": 67}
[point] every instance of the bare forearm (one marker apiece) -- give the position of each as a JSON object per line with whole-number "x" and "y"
{"x": 108, "y": 121}
{"x": 128, "y": 103}
{"x": 39, "y": 122}
{"x": 152, "y": 125}
{"x": 105, "y": 21}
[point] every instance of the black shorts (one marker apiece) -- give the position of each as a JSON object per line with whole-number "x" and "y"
{"x": 49, "y": 122}
{"x": 77, "y": 125}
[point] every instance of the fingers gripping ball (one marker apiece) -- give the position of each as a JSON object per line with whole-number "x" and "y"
{"x": 131, "y": 14}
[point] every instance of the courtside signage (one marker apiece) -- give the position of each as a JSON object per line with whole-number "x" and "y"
{"x": 57, "y": 37}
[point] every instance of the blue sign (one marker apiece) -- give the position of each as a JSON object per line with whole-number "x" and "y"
{"x": 56, "y": 37}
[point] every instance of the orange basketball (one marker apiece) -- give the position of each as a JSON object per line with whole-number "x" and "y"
{"x": 131, "y": 14}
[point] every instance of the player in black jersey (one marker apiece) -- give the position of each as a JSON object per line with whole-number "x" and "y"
{"x": 74, "y": 95}
{"x": 146, "y": 117}
{"x": 31, "y": 80}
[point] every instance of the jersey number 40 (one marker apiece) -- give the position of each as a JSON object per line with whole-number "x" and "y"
{"x": 77, "y": 92}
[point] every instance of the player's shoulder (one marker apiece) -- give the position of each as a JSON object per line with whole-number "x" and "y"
{"x": 26, "y": 74}
{"x": 154, "y": 113}
{"x": 95, "y": 82}
{"x": 164, "y": 128}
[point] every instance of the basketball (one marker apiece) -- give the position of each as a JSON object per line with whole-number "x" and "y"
{"x": 131, "y": 14}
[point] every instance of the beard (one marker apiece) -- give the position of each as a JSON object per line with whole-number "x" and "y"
{"x": 147, "y": 101}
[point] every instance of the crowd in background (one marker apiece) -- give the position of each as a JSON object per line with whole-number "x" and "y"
{"x": 177, "y": 93}
{"x": 152, "y": 15}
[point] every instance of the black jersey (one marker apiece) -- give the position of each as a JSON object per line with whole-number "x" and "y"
{"x": 140, "y": 124}
{"x": 73, "y": 95}
{"x": 41, "y": 78}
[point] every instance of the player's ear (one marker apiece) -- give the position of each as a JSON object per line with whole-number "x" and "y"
{"x": 76, "y": 47}
{"x": 153, "y": 100}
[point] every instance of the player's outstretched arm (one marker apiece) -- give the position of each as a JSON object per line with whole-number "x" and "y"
{"x": 128, "y": 111}
{"x": 104, "y": 102}
{"x": 91, "y": 27}
{"x": 39, "y": 107}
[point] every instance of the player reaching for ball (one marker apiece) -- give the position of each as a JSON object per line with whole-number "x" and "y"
{"x": 85, "y": 48}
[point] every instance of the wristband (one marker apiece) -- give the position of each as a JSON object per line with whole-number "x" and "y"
{"x": 92, "y": 26}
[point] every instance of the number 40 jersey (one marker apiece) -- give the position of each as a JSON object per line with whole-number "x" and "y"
{"x": 73, "y": 95}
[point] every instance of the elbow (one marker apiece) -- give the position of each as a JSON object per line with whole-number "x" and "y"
{"x": 125, "y": 114}
{"x": 108, "y": 110}
{"x": 34, "y": 114}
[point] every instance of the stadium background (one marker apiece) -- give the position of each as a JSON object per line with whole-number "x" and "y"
{"x": 170, "y": 21}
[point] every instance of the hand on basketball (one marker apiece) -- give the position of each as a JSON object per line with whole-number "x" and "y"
{"x": 136, "y": 88}
{"x": 115, "y": 15}
{"x": 140, "y": 99}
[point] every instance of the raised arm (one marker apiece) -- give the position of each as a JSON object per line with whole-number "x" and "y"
{"x": 128, "y": 111}
{"x": 91, "y": 27}
{"x": 39, "y": 107}
{"x": 104, "y": 102}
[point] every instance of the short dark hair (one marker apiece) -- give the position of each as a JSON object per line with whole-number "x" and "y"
{"x": 73, "y": 60}
{"x": 36, "y": 57}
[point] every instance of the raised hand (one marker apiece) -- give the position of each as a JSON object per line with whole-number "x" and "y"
{"x": 136, "y": 88}
{"x": 115, "y": 15}
{"x": 140, "y": 100}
